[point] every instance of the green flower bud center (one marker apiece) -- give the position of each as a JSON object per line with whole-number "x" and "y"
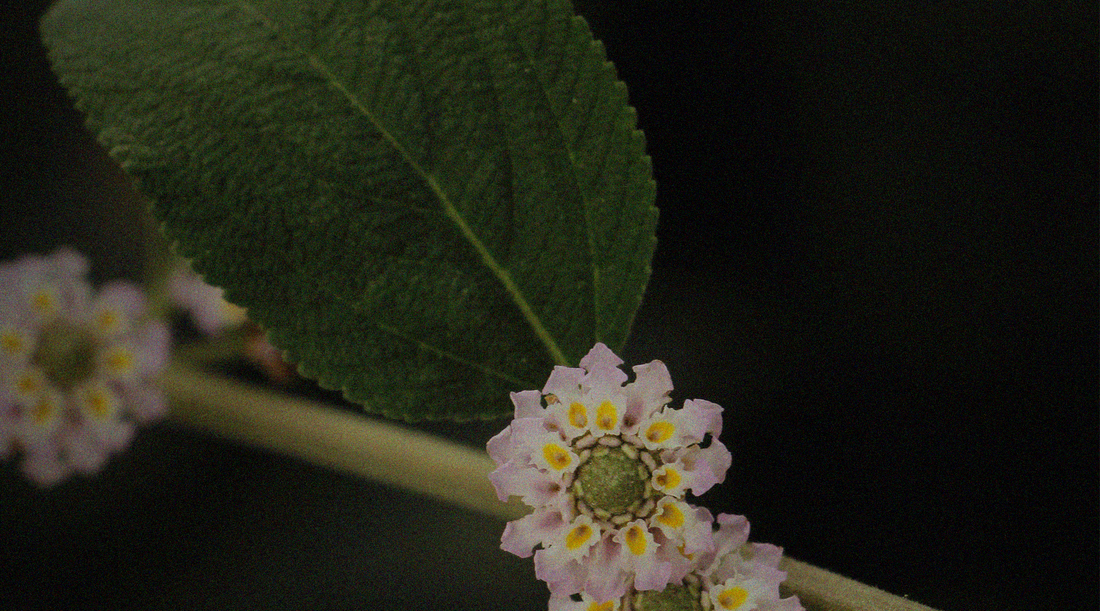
{"x": 611, "y": 481}
{"x": 672, "y": 598}
{"x": 66, "y": 353}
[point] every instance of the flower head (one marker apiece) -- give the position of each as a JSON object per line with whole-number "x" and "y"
{"x": 606, "y": 465}
{"x": 733, "y": 576}
{"x": 75, "y": 366}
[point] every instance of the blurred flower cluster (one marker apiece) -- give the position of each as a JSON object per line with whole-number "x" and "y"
{"x": 605, "y": 465}
{"x": 76, "y": 366}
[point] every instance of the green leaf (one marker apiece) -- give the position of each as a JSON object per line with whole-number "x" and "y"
{"x": 429, "y": 203}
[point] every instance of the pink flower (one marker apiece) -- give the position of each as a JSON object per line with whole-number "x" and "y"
{"x": 75, "y": 366}
{"x": 606, "y": 464}
{"x": 206, "y": 303}
{"x": 733, "y": 576}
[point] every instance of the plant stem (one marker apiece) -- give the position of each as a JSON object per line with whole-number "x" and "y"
{"x": 393, "y": 454}
{"x": 333, "y": 438}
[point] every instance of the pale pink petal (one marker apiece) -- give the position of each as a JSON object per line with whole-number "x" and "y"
{"x": 706, "y": 415}
{"x": 85, "y": 451}
{"x": 69, "y": 262}
{"x": 766, "y": 554}
{"x": 528, "y": 404}
{"x": 699, "y": 535}
{"x": 563, "y": 381}
{"x": 120, "y": 436}
{"x": 606, "y": 579}
{"x": 702, "y": 468}
{"x": 515, "y": 440}
{"x": 563, "y": 578}
{"x": 144, "y": 402}
{"x": 787, "y": 604}
{"x": 45, "y": 468}
{"x": 600, "y": 356}
{"x": 652, "y": 382}
{"x": 122, "y": 297}
{"x": 669, "y": 551}
{"x": 565, "y": 603}
{"x": 604, "y": 374}
{"x": 646, "y": 394}
{"x": 733, "y": 532}
{"x": 151, "y": 343}
{"x": 206, "y": 303}
{"x": 522, "y": 535}
{"x": 533, "y": 486}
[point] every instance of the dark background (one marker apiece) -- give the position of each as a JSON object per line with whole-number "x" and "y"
{"x": 877, "y": 250}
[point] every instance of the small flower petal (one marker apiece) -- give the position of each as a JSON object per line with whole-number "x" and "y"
{"x": 536, "y": 488}
{"x": 522, "y": 535}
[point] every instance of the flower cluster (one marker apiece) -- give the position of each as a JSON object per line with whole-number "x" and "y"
{"x": 75, "y": 366}
{"x": 734, "y": 576}
{"x": 606, "y": 464}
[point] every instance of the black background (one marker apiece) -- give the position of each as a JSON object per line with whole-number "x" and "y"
{"x": 877, "y": 250}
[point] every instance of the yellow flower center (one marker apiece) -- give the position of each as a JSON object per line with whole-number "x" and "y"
{"x": 11, "y": 343}
{"x": 732, "y": 598}
{"x": 99, "y": 403}
{"x": 671, "y": 516}
{"x": 43, "y": 411}
{"x": 43, "y": 303}
{"x": 607, "y": 416}
{"x": 659, "y": 432}
{"x": 578, "y": 536}
{"x": 578, "y": 415}
{"x": 119, "y": 361}
{"x": 635, "y": 540}
{"x": 666, "y": 478}
{"x": 556, "y": 456}
{"x": 108, "y": 321}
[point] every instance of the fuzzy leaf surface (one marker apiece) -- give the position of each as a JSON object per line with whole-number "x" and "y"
{"x": 428, "y": 203}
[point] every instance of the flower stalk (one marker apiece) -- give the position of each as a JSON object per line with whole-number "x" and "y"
{"x": 395, "y": 455}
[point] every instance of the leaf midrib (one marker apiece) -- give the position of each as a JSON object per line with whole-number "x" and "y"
{"x": 487, "y": 258}
{"x": 588, "y": 222}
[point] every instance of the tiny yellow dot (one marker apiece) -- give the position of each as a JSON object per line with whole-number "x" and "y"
{"x": 12, "y": 343}
{"x": 43, "y": 411}
{"x": 108, "y": 320}
{"x": 42, "y": 302}
{"x": 29, "y": 385}
{"x": 120, "y": 361}
{"x": 98, "y": 404}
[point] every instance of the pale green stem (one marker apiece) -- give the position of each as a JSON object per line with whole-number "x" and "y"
{"x": 396, "y": 455}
